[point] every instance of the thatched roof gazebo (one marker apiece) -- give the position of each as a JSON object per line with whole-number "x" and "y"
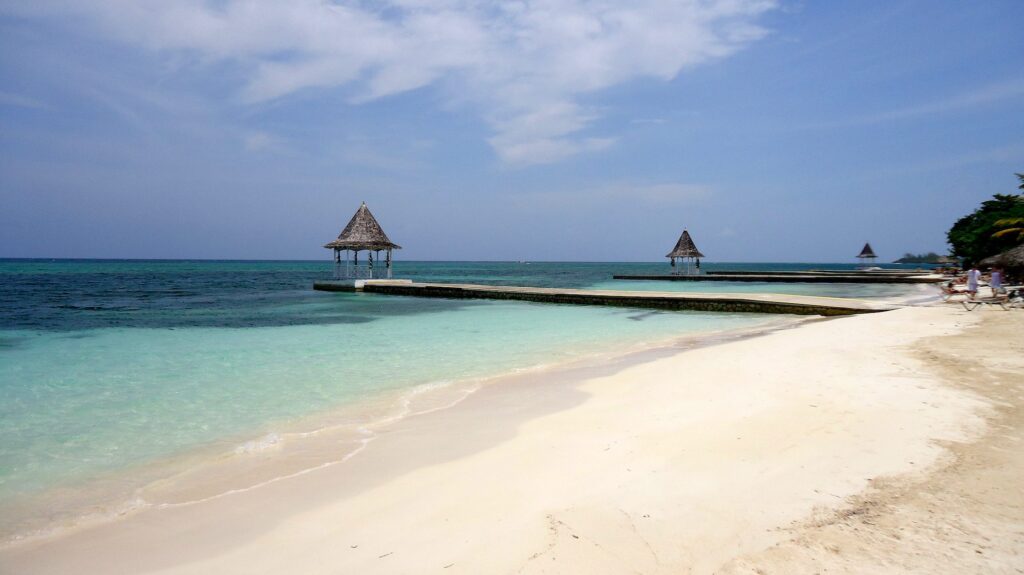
{"x": 686, "y": 251}
{"x": 867, "y": 254}
{"x": 1012, "y": 258}
{"x": 362, "y": 233}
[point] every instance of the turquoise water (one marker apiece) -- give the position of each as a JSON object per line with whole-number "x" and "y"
{"x": 109, "y": 365}
{"x": 815, "y": 289}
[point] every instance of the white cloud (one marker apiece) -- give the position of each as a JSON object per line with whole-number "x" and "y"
{"x": 524, "y": 65}
{"x": 980, "y": 96}
{"x": 661, "y": 195}
{"x": 384, "y": 155}
{"x": 977, "y": 97}
{"x": 261, "y": 142}
{"x": 20, "y": 101}
{"x": 648, "y": 121}
{"x": 667, "y": 193}
{"x": 1009, "y": 153}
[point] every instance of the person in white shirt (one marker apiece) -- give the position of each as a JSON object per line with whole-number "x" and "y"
{"x": 973, "y": 276}
{"x": 996, "y": 281}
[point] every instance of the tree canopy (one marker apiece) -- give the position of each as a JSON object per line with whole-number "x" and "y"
{"x": 928, "y": 258}
{"x": 977, "y": 235}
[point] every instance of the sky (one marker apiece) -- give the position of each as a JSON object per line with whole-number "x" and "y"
{"x": 549, "y": 130}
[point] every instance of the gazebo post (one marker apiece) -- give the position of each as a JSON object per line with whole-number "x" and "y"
{"x": 867, "y": 254}
{"x": 362, "y": 233}
{"x": 686, "y": 252}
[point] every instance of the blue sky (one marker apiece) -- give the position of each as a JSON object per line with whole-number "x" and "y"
{"x": 562, "y": 130}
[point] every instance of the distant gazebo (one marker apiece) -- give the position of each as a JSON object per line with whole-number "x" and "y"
{"x": 362, "y": 233}
{"x": 685, "y": 251}
{"x": 867, "y": 255}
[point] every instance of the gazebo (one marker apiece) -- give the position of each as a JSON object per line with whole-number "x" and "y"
{"x": 362, "y": 233}
{"x": 686, "y": 251}
{"x": 867, "y": 255}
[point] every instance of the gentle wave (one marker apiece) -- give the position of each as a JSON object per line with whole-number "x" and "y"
{"x": 419, "y": 400}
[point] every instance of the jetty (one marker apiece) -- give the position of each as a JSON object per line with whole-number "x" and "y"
{"x": 851, "y": 277}
{"x": 723, "y": 302}
{"x": 686, "y": 251}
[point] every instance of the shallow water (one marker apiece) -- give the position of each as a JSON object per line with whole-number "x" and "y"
{"x": 106, "y": 366}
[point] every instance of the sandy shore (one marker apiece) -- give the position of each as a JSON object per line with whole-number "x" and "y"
{"x": 878, "y": 443}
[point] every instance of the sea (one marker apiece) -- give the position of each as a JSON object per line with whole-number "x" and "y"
{"x": 117, "y": 376}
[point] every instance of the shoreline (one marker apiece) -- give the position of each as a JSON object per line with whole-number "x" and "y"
{"x": 965, "y": 514}
{"x": 499, "y": 439}
{"x": 310, "y": 443}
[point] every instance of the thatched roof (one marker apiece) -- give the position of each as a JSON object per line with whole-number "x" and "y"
{"x": 363, "y": 233}
{"x": 1011, "y": 258}
{"x": 685, "y": 248}
{"x": 867, "y": 252}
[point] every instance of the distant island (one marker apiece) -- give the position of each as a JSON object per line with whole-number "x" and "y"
{"x": 928, "y": 258}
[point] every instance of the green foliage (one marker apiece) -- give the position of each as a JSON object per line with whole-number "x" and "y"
{"x": 1010, "y": 228}
{"x": 974, "y": 237}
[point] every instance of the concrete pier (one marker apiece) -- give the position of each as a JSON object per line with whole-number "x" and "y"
{"x": 753, "y": 303}
{"x": 874, "y": 273}
{"x": 792, "y": 277}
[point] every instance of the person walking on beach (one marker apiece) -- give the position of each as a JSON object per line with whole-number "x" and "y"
{"x": 996, "y": 281}
{"x": 973, "y": 275}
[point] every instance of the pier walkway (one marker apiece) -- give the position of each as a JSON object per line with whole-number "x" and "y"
{"x": 726, "y": 302}
{"x": 794, "y": 277}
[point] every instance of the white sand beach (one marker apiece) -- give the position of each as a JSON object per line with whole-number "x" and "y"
{"x": 883, "y": 443}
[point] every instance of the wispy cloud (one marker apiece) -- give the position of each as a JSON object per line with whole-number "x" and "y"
{"x": 262, "y": 142}
{"x": 379, "y": 155}
{"x": 525, "y": 66}
{"x": 650, "y": 121}
{"x": 978, "y": 97}
{"x": 660, "y": 195}
{"x": 998, "y": 155}
{"x": 20, "y": 101}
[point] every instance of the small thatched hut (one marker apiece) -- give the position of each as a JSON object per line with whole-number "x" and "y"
{"x": 686, "y": 251}
{"x": 362, "y": 233}
{"x": 1011, "y": 259}
{"x": 867, "y": 255}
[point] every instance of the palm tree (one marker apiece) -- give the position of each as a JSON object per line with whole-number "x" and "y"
{"x": 1011, "y": 227}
